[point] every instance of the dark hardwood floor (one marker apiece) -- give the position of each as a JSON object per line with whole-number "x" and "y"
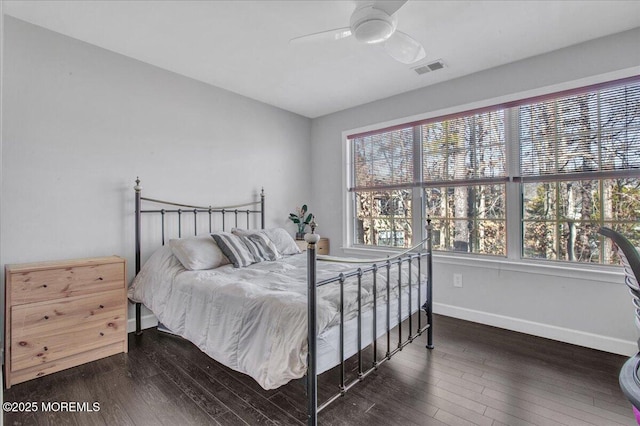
{"x": 475, "y": 375}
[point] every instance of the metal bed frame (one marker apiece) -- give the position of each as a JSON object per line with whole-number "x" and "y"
{"x": 408, "y": 258}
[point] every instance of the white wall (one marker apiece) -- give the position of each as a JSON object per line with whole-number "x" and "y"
{"x": 577, "y": 304}
{"x": 81, "y": 122}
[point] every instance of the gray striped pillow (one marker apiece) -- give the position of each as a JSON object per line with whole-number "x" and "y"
{"x": 261, "y": 247}
{"x": 234, "y": 248}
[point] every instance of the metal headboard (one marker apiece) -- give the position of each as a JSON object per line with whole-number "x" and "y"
{"x": 187, "y": 209}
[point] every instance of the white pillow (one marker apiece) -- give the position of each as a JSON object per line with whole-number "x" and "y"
{"x": 197, "y": 253}
{"x": 284, "y": 242}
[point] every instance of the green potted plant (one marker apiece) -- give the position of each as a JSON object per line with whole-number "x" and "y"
{"x": 301, "y": 218}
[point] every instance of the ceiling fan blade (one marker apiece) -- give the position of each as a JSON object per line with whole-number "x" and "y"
{"x": 337, "y": 34}
{"x": 403, "y": 48}
{"x": 389, "y": 6}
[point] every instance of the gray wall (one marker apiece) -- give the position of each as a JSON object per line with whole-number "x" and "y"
{"x": 81, "y": 122}
{"x": 572, "y": 303}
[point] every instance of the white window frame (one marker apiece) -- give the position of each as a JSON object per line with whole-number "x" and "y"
{"x": 513, "y": 196}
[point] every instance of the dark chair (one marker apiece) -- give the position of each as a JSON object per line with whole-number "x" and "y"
{"x": 629, "y": 380}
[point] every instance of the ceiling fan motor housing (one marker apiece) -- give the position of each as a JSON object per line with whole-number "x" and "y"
{"x": 371, "y": 25}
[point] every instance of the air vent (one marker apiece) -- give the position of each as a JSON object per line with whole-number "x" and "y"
{"x": 433, "y": 66}
{"x": 422, "y": 70}
{"x": 437, "y": 65}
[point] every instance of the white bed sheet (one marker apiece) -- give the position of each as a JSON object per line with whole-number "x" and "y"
{"x": 254, "y": 319}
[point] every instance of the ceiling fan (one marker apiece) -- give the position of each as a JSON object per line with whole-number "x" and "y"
{"x": 374, "y": 22}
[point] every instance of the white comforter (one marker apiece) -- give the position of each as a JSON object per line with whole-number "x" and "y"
{"x": 252, "y": 319}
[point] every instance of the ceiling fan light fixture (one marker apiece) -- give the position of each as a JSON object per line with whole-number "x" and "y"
{"x": 373, "y": 31}
{"x": 403, "y": 48}
{"x": 371, "y": 25}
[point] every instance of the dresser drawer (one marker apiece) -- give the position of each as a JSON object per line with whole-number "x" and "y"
{"x": 323, "y": 246}
{"x": 45, "y": 332}
{"x": 48, "y": 284}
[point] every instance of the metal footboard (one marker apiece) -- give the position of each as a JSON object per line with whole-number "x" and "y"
{"x": 405, "y": 259}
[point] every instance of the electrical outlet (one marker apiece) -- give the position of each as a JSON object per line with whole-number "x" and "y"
{"x": 457, "y": 280}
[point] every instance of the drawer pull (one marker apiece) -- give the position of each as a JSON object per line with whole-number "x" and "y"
{"x": 46, "y": 348}
{"x": 101, "y": 306}
{"x": 111, "y": 324}
{"x": 23, "y": 343}
{"x": 44, "y": 285}
{"x": 101, "y": 333}
{"x": 46, "y": 317}
{"x": 100, "y": 278}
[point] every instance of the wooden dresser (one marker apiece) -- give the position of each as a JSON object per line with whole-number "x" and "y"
{"x": 62, "y": 314}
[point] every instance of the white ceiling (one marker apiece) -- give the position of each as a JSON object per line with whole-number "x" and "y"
{"x": 242, "y": 46}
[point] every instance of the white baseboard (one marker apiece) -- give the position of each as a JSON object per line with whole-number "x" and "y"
{"x": 575, "y": 337}
{"x": 147, "y": 321}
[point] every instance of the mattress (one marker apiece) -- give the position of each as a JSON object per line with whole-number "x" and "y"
{"x": 254, "y": 319}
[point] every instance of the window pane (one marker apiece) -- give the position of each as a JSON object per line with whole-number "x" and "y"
{"x": 392, "y": 233}
{"x": 486, "y": 142}
{"x": 469, "y": 218}
{"x": 363, "y": 173}
{"x": 490, "y": 237}
{"x": 383, "y": 159}
{"x": 583, "y": 133}
{"x": 539, "y": 200}
{"x": 575, "y": 210}
{"x": 631, "y": 230}
{"x": 621, "y": 199}
{"x": 537, "y": 140}
{"x": 363, "y": 204}
{"x": 578, "y": 115}
{"x": 464, "y": 148}
{"x": 383, "y": 218}
{"x": 621, "y": 149}
{"x": 578, "y": 153}
{"x": 568, "y": 208}
{"x": 540, "y": 240}
{"x": 578, "y": 199}
{"x": 592, "y": 132}
{"x": 579, "y": 241}
{"x": 620, "y": 107}
{"x": 382, "y": 172}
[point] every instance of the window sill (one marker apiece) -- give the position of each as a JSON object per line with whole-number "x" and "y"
{"x": 599, "y": 273}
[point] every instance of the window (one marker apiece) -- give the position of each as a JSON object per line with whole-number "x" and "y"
{"x": 574, "y": 160}
{"x": 579, "y": 161}
{"x": 383, "y": 174}
{"x": 463, "y": 167}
